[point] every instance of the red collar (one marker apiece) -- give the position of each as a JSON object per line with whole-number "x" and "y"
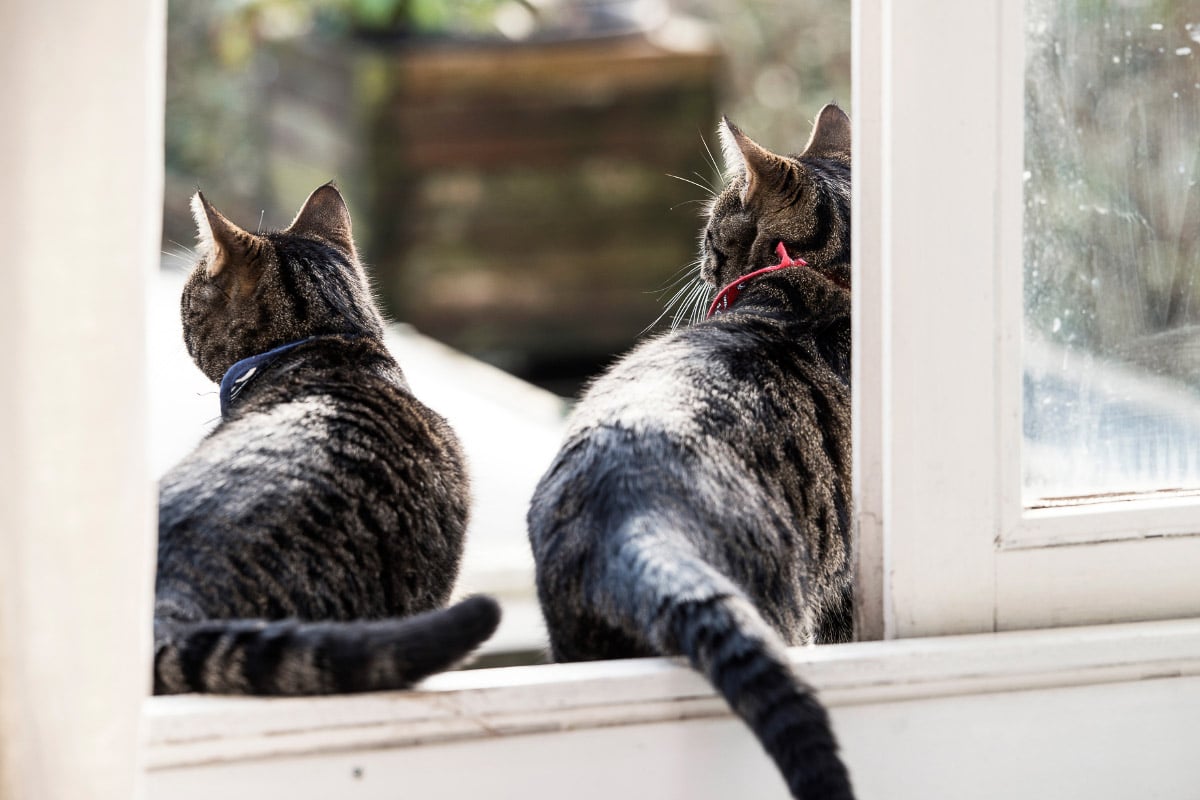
{"x": 726, "y": 297}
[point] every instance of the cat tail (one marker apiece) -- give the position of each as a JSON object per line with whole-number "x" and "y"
{"x": 690, "y": 608}
{"x": 288, "y": 657}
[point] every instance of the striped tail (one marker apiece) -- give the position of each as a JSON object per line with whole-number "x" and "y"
{"x": 287, "y": 657}
{"x": 688, "y": 607}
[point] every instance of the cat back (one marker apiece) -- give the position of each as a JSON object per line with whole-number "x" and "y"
{"x": 700, "y": 504}
{"x": 310, "y": 542}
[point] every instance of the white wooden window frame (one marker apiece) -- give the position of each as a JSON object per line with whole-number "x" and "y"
{"x": 1030, "y": 713}
{"x": 946, "y": 544}
{"x": 81, "y": 160}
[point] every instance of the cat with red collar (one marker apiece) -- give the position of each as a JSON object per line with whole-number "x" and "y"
{"x": 701, "y": 502}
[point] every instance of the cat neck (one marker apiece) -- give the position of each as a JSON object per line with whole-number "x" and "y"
{"x": 240, "y": 375}
{"x": 729, "y": 295}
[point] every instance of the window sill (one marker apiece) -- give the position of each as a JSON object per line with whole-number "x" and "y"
{"x": 188, "y": 735}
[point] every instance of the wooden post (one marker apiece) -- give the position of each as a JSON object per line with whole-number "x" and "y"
{"x": 80, "y": 196}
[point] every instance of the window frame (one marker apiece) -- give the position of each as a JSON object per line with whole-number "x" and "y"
{"x": 930, "y": 560}
{"x": 1104, "y": 520}
{"x": 945, "y": 542}
{"x": 82, "y": 154}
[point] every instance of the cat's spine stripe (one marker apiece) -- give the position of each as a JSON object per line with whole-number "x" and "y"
{"x": 287, "y": 276}
{"x": 311, "y": 265}
{"x": 829, "y": 241}
{"x": 289, "y": 657}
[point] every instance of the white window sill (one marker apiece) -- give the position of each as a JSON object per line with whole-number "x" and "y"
{"x": 514, "y": 711}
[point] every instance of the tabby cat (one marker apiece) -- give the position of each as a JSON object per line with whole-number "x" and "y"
{"x": 308, "y": 543}
{"x": 701, "y": 502}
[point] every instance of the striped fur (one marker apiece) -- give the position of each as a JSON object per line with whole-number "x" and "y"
{"x": 300, "y": 538}
{"x": 701, "y": 502}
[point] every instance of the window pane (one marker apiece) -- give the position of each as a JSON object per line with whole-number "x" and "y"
{"x": 1111, "y": 247}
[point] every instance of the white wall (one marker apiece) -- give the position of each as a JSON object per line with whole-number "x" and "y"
{"x": 81, "y": 172}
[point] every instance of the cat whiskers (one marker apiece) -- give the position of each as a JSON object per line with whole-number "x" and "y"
{"x": 699, "y": 303}
{"x": 708, "y": 190}
{"x": 184, "y": 254}
{"x": 687, "y": 302}
{"x": 688, "y": 311}
{"x": 679, "y": 275}
{"x": 721, "y": 173}
{"x": 703, "y": 201}
{"x": 684, "y": 275}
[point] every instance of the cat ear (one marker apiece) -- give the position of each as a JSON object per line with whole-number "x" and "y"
{"x": 219, "y": 239}
{"x": 830, "y": 135}
{"x": 324, "y": 214}
{"x": 744, "y": 156}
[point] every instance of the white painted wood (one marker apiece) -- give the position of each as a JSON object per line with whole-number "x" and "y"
{"x": 926, "y": 242}
{"x": 1105, "y": 520}
{"x": 189, "y": 730}
{"x": 912, "y": 715}
{"x": 1009, "y": 168}
{"x": 1110, "y": 742}
{"x": 81, "y": 156}
{"x": 870, "y": 240}
{"x": 708, "y": 758}
{"x": 1097, "y": 583}
{"x": 938, "y": 351}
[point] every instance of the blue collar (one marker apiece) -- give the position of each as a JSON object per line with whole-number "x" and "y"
{"x": 241, "y": 373}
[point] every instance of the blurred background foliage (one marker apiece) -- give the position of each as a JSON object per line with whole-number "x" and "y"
{"x": 508, "y": 162}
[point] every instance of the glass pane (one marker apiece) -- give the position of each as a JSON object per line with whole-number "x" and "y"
{"x": 1111, "y": 248}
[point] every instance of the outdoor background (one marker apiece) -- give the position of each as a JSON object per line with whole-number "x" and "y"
{"x": 509, "y": 171}
{"x": 526, "y": 178}
{"x": 507, "y": 163}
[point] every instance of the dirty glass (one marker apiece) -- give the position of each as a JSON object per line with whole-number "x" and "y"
{"x": 1111, "y": 379}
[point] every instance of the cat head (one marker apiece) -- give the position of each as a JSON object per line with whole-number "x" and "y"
{"x": 251, "y": 292}
{"x": 801, "y": 200}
